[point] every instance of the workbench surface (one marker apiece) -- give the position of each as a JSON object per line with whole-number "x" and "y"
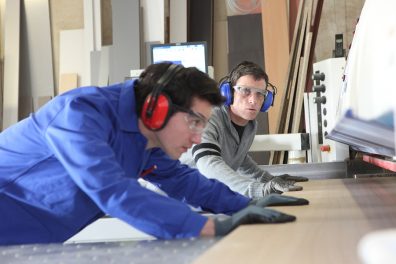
{"x": 340, "y": 213}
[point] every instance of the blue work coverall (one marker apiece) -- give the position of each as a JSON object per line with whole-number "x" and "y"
{"x": 79, "y": 157}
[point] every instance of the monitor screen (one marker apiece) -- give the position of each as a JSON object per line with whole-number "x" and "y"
{"x": 189, "y": 54}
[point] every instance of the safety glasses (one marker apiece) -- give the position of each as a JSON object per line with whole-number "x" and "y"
{"x": 247, "y": 91}
{"x": 196, "y": 122}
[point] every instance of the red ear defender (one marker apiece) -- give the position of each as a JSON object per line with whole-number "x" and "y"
{"x": 157, "y": 106}
{"x": 160, "y": 113}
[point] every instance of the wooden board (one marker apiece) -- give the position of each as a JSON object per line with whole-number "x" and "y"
{"x": 125, "y": 55}
{"x": 274, "y": 157}
{"x": 301, "y": 87}
{"x": 177, "y": 21}
{"x": 291, "y": 65}
{"x": 71, "y": 54}
{"x": 303, "y": 73}
{"x": 1, "y": 92}
{"x": 291, "y": 84}
{"x": 42, "y": 100}
{"x": 327, "y": 230}
{"x": 11, "y": 62}
{"x": 65, "y": 15}
{"x": 293, "y": 81}
{"x": 276, "y": 50}
{"x": 67, "y": 82}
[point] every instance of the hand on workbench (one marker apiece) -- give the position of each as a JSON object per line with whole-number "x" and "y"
{"x": 279, "y": 185}
{"x": 250, "y": 215}
{"x": 275, "y": 199}
{"x": 288, "y": 177}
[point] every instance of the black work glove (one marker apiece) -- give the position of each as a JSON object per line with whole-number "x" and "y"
{"x": 288, "y": 177}
{"x": 282, "y": 183}
{"x": 250, "y": 215}
{"x": 278, "y": 200}
{"x": 278, "y": 185}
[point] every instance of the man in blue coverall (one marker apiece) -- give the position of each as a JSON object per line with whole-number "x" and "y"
{"x": 78, "y": 158}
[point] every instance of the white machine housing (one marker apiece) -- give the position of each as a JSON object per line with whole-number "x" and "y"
{"x": 333, "y": 70}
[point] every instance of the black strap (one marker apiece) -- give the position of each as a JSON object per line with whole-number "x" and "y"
{"x": 163, "y": 81}
{"x": 206, "y": 153}
{"x": 205, "y": 146}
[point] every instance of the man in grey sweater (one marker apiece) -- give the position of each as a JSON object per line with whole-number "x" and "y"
{"x": 223, "y": 151}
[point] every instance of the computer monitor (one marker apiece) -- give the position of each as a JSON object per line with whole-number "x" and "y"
{"x": 188, "y": 54}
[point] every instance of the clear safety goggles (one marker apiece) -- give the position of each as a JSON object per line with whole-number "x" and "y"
{"x": 247, "y": 91}
{"x": 196, "y": 122}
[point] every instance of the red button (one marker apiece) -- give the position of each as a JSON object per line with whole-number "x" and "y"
{"x": 325, "y": 148}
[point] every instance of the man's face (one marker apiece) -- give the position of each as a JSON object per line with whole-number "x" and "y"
{"x": 249, "y": 95}
{"x": 184, "y": 128}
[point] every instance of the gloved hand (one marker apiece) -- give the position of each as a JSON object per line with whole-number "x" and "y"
{"x": 278, "y": 200}
{"x": 282, "y": 183}
{"x": 278, "y": 185}
{"x": 250, "y": 215}
{"x": 288, "y": 177}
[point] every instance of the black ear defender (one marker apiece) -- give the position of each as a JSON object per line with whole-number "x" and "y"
{"x": 157, "y": 107}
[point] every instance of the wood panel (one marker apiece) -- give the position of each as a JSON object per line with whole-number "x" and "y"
{"x": 295, "y": 126}
{"x": 220, "y": 59}
{"x": 67, "y": 82}
{"x": 36, "y": 68}
{"x": 1, "y": 91}
{"x": 125, "y": 54}
{"x": 153, "y": 20}
{"x": 11, "y": 62}
{"x": 277, "y": 157}
{"x": 220, "y": 37}
{"x": 276, "y": 50}
{"x": 290, "y": 93}
{"x": 71, "y": 55}
{"x": 107, "y": 22}
{"x": 177, "y": 21}
{"x": 274, "y": 157}
{"x": 65, "y": 14}
{"x": 293, "y": 10}
{"x": 327, "y": 230}
{"x": 89, "y": 41}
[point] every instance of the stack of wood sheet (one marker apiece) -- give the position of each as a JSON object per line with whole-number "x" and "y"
{"x": 298, "y": 72}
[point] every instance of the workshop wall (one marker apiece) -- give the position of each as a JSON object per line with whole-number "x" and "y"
{"x": 338, "y": 16}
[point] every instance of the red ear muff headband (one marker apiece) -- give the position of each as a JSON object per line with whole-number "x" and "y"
{"x": 157, "y": 107}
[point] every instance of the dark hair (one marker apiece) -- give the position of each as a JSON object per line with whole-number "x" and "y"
{"x": 247, "y": 68}
{"x": 181, "y": 89}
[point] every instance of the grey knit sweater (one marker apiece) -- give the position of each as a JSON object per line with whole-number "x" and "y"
{"x": 223, "y": 156}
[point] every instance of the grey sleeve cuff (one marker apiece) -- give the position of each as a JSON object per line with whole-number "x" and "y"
{"x": 255, "y": 189}
{"x": 265, "y": 177}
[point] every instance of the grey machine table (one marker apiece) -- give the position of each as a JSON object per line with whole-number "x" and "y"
{"x": 139, "y": 252}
